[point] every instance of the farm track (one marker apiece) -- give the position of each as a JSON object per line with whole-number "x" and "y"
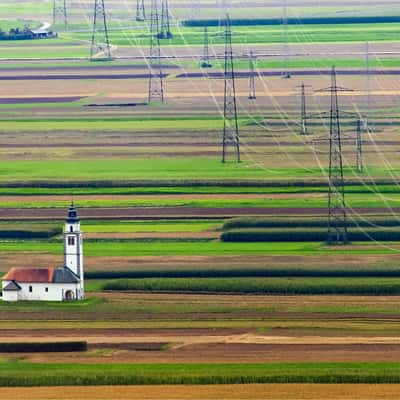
{"x": 185, "y": 75}
{"x": 172, "y": 212}
{"x": 208, "y": 392}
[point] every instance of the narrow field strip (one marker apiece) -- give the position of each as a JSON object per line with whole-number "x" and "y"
{"x": 15, "y": 374}
{"x": 207, "y": 392}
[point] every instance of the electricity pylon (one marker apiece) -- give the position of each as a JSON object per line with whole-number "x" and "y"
{"x": 252, "y": 84}
{"x": 337, "y": 213}
{"x": 231, "y": 129}
{"x": 368, "y": 87}
{"x": 140, "y": 11}
{"x": 156, "y": 81}
{"x": 205, "y": 62}
{"x": 285, "y": 72}
{"x": 359, "y": 151}
{"x": 165, "y": 30}
{"x": 60, "y": 14}
{"x": 100, "y": 48}
{"x": 303, "y": 109}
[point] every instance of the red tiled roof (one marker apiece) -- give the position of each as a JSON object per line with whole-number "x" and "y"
{"x": 34, "y": 275}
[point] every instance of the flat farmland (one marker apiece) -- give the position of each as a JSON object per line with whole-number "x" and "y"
{"x": 173, "y": 307}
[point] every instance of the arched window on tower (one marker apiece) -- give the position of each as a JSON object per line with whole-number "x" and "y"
{"x": 71, "y": 228}
{"x": 71, "y": 241}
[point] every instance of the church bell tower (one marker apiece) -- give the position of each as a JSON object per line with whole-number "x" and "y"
{"x": 73, "y": 251}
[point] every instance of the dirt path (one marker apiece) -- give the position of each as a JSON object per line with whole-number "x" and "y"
{"x": 208, "y": 392}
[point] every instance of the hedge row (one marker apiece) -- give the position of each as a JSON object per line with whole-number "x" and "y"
{"x": 30, "y": 234}
{"x": 42, "y": 347}
{"x": 306, "y": 235}
{"x": 295, "y": 21}
{"x": 305, "y": 222}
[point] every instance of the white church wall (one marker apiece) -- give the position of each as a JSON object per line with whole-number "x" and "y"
{"x": 41, "y": 291}
{"x": 10, "y": 295}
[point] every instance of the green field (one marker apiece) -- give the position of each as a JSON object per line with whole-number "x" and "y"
{"x": 190, "y": 247}
{"x": 164, "y": 169}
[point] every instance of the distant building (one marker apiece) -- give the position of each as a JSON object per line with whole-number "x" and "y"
{"x": 27, "y": 34}
{"x": 51, "y": 284}
{"x": 43, "y": 34}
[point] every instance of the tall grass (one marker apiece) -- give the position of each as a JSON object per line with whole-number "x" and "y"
{"x": 24, "y": 374}
{"x": 302, "y": 222}
{"x": 242, "y": 271}
{"x": 283, "y": 286}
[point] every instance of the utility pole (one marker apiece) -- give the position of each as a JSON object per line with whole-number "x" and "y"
{"x": 252, "y": 84}
{"x": 285, "y": 72}
{"x": 337, "y": 214}
{"x": 140, "y": 11}
{"x": 156, "y": 81}
{"x": 100, "y": 48}
{"x": 165, "y": 31}
{"x": 205, "y": 63}
{"x": 60, "y": 14}
{"x": 359, "y": 151}
{"x": 231, "y": 129}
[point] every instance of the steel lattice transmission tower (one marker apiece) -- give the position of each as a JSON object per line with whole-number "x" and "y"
{"x": 286, "y": 49}
{"x": 303, "y": 110}
{"x": 205, "y": 62}
{"x": 60, "y": 14}
{"x": 231, "y": 130}
{"x": 165, "y": 31}
{"x": 156, "y": 80}
{"x": 359, "y": 150}
{"x": 337, "y": 213}
{"x": 252, "y": 74}
{"x": 100, "y": 48}
{"x": 140, "y": 11}
{"x": 368, "y": 86}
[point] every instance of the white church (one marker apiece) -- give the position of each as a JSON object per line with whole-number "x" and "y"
{"x": 51, "y": 284}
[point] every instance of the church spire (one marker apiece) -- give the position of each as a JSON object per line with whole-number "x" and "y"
{"x": 72, "y": 217}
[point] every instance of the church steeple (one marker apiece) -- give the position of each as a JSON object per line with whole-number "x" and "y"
{"x": 72, "y": 217}
{"x": 73, "y": 249}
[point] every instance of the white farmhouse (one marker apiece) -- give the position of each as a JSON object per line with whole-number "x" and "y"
{"x": 51, "y": 284}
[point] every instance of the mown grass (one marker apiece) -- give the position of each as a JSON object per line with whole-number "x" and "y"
{"x": 364, "y": 200}
{"x": 175, "y": 168}
{"x": 112, "y": 248}
{"x": 25, "y": 374}
{"x": 281, "y": 286}
{"x": 261, "y": 34}
{"x": 196, "y": 187}
{"x": 153, "y": 226}
{"x": 112, "y": 124}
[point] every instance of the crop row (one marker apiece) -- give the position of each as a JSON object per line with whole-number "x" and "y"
{"x": 282, "y": 286}
{"x": 295, "y": 21}
{"x": 26, "y": 374}
{"x": 306, "y": 222}
{"x": 307, "y": 234}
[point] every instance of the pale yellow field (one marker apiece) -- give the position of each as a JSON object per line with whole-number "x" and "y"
{"x": 208, "y": 392}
